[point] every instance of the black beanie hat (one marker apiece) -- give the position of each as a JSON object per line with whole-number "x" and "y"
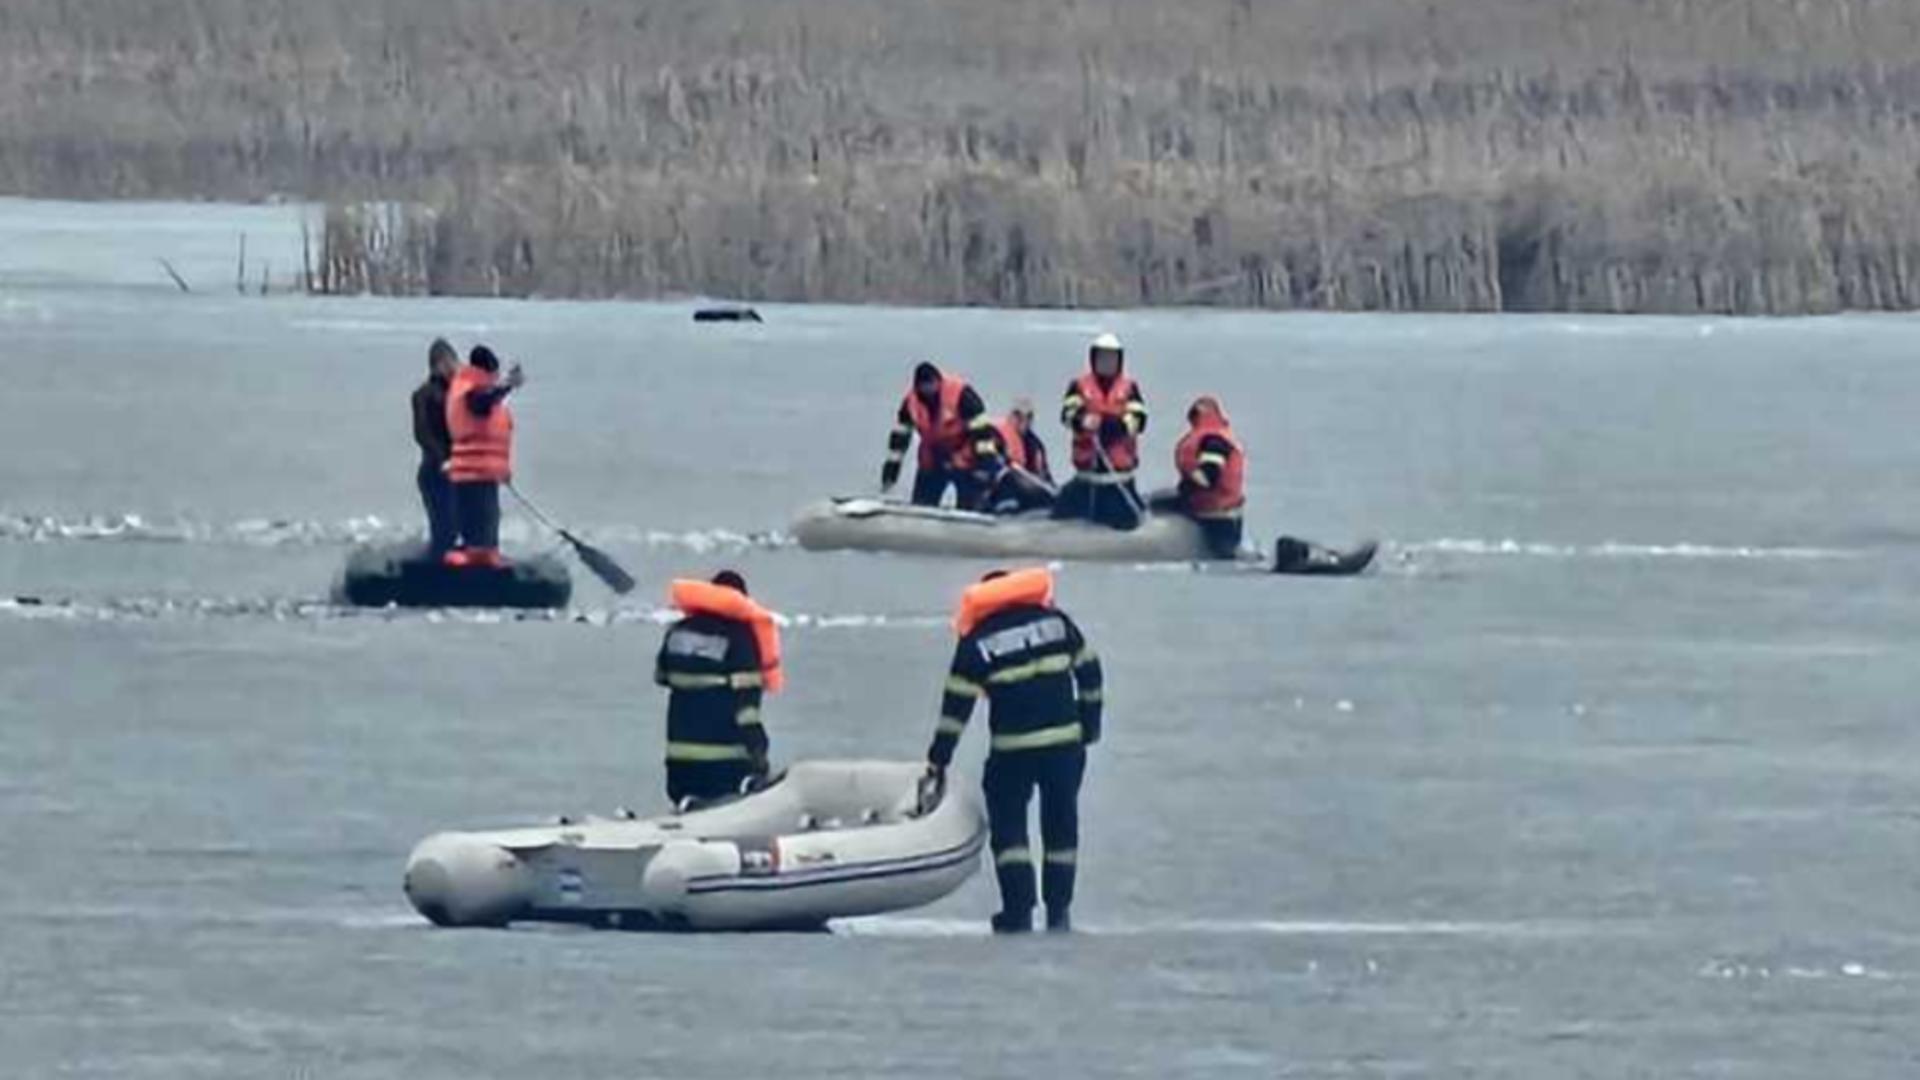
{"x": 732, "y": 580}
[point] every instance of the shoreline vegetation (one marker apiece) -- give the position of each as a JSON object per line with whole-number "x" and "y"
{"x": 1659, "y": 156}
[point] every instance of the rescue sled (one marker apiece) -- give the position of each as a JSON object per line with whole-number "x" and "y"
{"x": 825, "y": 840}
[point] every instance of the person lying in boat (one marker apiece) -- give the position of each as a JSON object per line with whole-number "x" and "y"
{"x": 430, "y": 434}
{"x": 482, "y": 456}
{"x": 1213, "y": 482}
{"x": 717, "y": 663}
{"x": 957, "y": 447}
{"x": 1025, "y": 481}
{"x": 1107, "y": 415}
{"x": 1043, "y": 683}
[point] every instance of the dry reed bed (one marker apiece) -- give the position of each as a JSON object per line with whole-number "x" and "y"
{"x": 1602, "y": 155}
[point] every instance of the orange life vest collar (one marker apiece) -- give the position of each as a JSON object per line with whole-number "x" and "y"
{"x": 987, "y": 598}
{"x": 706, "y": 598}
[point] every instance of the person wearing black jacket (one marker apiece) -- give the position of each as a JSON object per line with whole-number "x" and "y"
{"x": 717, "y": 662}
{"x": 436, "y": 445}
{"x": 957, "y": 444}
{"x": 1045, "y": 687}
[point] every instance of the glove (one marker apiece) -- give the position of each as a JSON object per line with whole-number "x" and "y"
{"x": 889, "y": 476}
{"x": 1088, "y": 421}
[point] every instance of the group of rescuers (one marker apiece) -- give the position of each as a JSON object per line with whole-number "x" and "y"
{"x": 1042, "y": 680}
{"x": 1016, "y": 649}
{"x": 1000, "y": 466}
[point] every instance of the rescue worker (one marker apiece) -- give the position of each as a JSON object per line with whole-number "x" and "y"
{"x": 1043, "y": 682}
{"x": 436, "y": 445}
{"x": 1104, "y": 410}
{"x": 1025, "y": 481}
{"x": 716, "y": 663}
{"x": 1213, "y": 484}
{"x": 957, "y": 446}
{"x": 481, "y": 460}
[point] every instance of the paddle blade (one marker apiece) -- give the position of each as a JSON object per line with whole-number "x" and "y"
{"x": 602, "y": 565}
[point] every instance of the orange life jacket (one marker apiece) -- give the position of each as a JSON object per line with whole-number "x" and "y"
{"x": 985, "y": 598}
{"x": 1014, "y": 443}
{"x": 706, "y": 598}
{"x": 482, "y": 445}
{"x": 1225, "y": 498}
{"x": 943, "y": 438}
{"x": 1111, "y": 403}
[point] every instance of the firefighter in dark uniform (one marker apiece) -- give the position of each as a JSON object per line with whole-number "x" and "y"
{"x": 717, "y": 662}
{"x": 1044, "y": 685}
{"x": 957, "y": 444}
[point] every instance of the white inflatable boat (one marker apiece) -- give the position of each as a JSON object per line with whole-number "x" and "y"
{"x": 827, "y": 840}
{"x": 867, "y": 524}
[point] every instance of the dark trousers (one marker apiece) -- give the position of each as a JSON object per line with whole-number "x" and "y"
{"x": 478, "y": 505}
{"x": 436, "y": 494}
{"x": 1010, "y": 781}
{"x": 1114, "y": 505}
{"x": 930, "y": 486}
{"x": 705, "y": 780}
{"x": 1222, "y": 535}
{"x": 1017, "y": 491}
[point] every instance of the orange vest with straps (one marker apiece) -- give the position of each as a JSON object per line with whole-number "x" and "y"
{"x": 706, "y": 598}
{"x": 983, "y": 599}
{"x": 1225, "y": 498}
{"x": 1111, "y": 403}
{"x": 1014, "y": 444}
{"x": 943, "y": 438}
{"x": 482, "y": 445}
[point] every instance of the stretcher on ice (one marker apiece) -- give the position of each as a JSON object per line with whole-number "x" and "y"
{"x": 867, "y": 524}
{"x": 827, "y": 840}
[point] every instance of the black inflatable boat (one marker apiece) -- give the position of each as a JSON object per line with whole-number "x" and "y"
{"x": 403, "y": 574}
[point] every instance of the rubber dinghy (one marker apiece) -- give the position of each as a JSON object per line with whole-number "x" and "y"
{"x": 380, "y": 574}
{"x": 826, "y": 840}
{"x": 867, "y": 524}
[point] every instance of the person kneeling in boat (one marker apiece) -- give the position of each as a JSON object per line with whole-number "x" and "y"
{"x": 1025, "y": 481}
{"x": 482, "y": 458}
{"x": 435, "y": 441}
{"x": 1107, "y": 415}
{"x": 716, "y": 663}
{"x": 957, "y": 445}
{"x": 1043, "y": 684}
{"x": 1213, "y": 484}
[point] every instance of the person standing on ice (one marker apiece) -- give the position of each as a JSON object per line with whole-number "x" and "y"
{"x": 482, "y": 455}
{"x": 1044, "y": 687}
{"x": 717, "y": 663}
{"x": 436, "y": 446}
{"x": 1106, "y": 413}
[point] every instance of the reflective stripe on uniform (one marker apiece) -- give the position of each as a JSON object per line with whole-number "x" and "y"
{"x": 747, "y": 680}
{"x": 1216, "y": 515}
{"x": 1059, "y": 735}
{"x": 1063, "y": 858}
{"x": 1012, "y": 855}
{"x": 1103, "y": 479}
{"x": 1214, "y": 459}
{"x": 1087, "y": 656}
{"x": 747, "y": 717}
{"x": 1092, "y": 697}
{"x": 1199, "y": 479}
{"x": 949, "y": 726}
{"x": 1046, "y": 665}
{"x": 694, "y": 751}
{"x": 962, "y": 687}
{"x": 690, "y": 680}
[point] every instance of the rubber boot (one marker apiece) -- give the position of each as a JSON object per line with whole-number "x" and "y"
{"x": 1016, "y": 898}
{"x": 1057, "y": 883}
{"x": 1059, "y": 920}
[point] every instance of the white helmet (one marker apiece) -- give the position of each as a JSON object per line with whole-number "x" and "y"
{"x": 1106, "y": 341}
